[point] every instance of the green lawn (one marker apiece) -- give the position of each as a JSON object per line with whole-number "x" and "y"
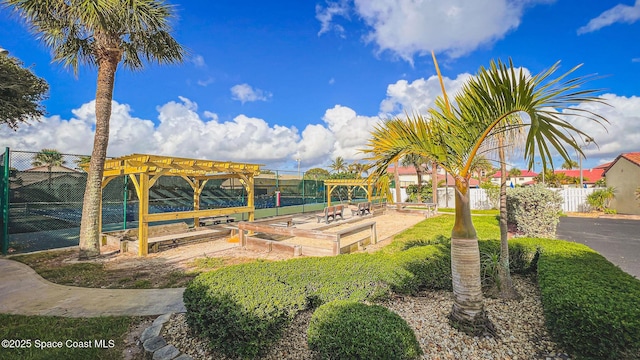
{"x": 49, "y": 337}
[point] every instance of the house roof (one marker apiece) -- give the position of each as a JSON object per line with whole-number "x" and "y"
{"x": 633, "y": 157}
{"x": 523, "y": 173}
{"x": 589, "y": 176}
{"x": 603, "y": 166}
{"x": 402, "y": 170}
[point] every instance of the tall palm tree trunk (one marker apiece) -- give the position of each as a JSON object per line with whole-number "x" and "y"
{"x": 89, "y": 231}
{"x": 507, "y": 291}
{"x": 468, "y": 312}
{"x": 434, "y": 183}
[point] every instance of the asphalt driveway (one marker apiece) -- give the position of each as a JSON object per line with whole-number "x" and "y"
{"x": 617, "y": 240}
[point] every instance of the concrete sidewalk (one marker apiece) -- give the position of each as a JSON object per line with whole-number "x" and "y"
{"x": 24, "y": 292}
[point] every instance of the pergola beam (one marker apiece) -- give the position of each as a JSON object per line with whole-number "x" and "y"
{"x": 144, "y": 170}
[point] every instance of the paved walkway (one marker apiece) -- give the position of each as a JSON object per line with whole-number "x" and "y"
{"x": 24, "y": 292}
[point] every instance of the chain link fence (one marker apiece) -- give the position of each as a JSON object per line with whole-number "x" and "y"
{"x": 42, "y": 205}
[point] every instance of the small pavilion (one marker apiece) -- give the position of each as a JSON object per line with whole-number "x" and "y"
{"x": 145, "y": 170}
{"x": 366, "y": 184}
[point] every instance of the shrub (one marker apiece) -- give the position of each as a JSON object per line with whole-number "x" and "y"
{"x": 534, "y": 210}
{"x": 591, "y": 307}
{"x": 242, "y": 309}
{"x": 352, "y": 330}
{"x": 601, "y": 198}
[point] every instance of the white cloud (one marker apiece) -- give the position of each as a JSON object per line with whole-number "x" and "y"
{"x": 619, "y": 13}
{"x": 246, "y": 93}
{"x": 326, "y": 14}
{"x": 182, "y": 131}
{"x": 198, "y": 61}
{"x": 621, "y": 135}
{"x": 419, "y": 95}
{"x": 206, "y": 82}
{"x": 351, "y": 131}
{"x": 408, "y": 27}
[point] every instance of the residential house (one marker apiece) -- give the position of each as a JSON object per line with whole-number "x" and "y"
{"x": 624, "y": 175}
{"x": 525, "y": 178}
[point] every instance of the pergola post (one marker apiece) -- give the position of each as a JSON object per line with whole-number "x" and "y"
{"x": 196, "y": 201}
{"x": 143, "y": 224}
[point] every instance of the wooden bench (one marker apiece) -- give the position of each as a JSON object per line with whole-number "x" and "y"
{"x": 362, "y": 209}
{"x": 165, "y": 235}
{"x": 215, "y": 220}
{"x": 330, "y": 212}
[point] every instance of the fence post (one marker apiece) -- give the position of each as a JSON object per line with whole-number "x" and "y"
{"x": 5, "y": 201}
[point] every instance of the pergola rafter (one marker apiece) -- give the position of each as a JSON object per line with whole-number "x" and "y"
{"x": 145, "y": 170}
{"x": 367, "y": 184}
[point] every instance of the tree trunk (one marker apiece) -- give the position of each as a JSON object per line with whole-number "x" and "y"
{"x": 506, "y": 289}
{"x": 89, "y": 226}
{"x": 396, "y": 178}
{"x": 419, "y": 175}
{"x": 434, "y": 183}
{"x": 468, "y": 313}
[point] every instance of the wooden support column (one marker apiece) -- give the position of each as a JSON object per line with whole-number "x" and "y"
{"x": 196, "y": 202}
{"x": 250, "y": 196}
{"x": 143, "y": 224}
{"x": 329, "y": 190}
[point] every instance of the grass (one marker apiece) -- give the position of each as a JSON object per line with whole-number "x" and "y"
{"x": 476, "y": 212}
{"x": 56, "y": 267}
{"x": 438, "y": 227}
{"x": 105, "y": 335}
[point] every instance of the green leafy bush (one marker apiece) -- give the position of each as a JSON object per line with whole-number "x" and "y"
{"x": 352, "y": 330}
{"x": 591, "y": 307}
{"x": 601, "y": 198}
{"x": 242, "y": 309}
{"x": 534, "y": 210}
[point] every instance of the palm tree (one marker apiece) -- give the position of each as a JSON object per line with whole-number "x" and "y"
{"x": 454, "y": 138}
{"x": 514, "y": 172}
{"x": 338, "y": 165}
{"x": 48, "y": 158}
{"x": 569, "y": 164}
{"x": 417, "y": 162}
{"x": 82, "y": 161}
{"x": 103, "y": 34}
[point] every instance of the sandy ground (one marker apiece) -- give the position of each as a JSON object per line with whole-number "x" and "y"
{"x": 387, "y": 225}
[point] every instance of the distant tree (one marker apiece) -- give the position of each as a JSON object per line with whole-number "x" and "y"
{"x": 358, "y": 168}
{"x": 569, "y": 164}
{"x": 82, "y": 161}
{"x": 338, "y": 165}
{"x": 48, "y": 158}
{"x": 515, "y": 172}
{"x": 418, "y": 162}
{"x": 21, "y": 92}
{"x": 266, "y": 171}
{"x": 316, "y": 174}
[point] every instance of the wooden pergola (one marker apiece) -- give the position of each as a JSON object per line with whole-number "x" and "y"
{"x": 145, "y": 170}
{"x": 367, "y": 184}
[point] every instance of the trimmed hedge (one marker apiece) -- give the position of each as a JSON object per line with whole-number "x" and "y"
{"x": 241, "y": 309}
{"x": 351, "y": 330}
{"x": 591, "y": 307}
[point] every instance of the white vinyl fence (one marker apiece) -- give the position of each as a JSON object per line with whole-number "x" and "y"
{"x": 575, "y": 199}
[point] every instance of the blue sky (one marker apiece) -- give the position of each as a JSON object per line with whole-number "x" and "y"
{"x": 272, "y": 82}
